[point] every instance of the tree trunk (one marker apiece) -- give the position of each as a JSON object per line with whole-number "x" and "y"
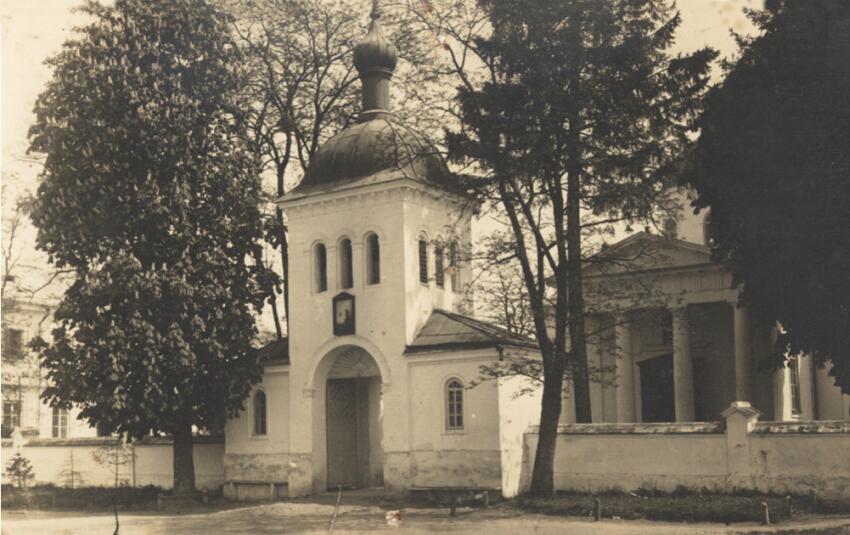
{"x": 542, "y": 480}
{"x": 578, "y": 342}
{"x": 277, "y": 329}
{"x": 184, "y": 464}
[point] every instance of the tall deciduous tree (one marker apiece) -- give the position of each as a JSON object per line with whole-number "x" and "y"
{"x": 773, "y": 165}
{"x": 151, "y": 194}
{"x": 576, "y": 126}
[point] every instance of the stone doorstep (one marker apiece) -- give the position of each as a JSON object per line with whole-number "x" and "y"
{"x": 273, "y": 486}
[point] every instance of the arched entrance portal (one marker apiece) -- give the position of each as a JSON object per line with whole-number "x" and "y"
{"x": 353, "y": 417}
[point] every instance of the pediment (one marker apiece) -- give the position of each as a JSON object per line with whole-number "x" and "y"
{"x": 647, "y": 252}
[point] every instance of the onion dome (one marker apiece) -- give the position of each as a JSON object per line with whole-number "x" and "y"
{"x": 375, "y": 54}
{"x": 373, "y": 146}
{"x": 376, "y": 145}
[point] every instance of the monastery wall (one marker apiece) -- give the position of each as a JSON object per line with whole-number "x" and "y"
{"x": 738, "y": 454}
{"x": 89, "y": 462}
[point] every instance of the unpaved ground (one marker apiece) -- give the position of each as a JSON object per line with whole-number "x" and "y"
{"x": 315, "y": 518}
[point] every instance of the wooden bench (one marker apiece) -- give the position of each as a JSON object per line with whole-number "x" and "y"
{"x": 273, "y": 486}
{"x": 456, "y": 497}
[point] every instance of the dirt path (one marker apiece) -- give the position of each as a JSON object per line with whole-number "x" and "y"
{"x": 315, "y": 518}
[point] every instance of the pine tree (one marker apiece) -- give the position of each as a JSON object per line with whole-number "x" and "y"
{"x": 773, "y": 166}
{"x": 577, "y": 125}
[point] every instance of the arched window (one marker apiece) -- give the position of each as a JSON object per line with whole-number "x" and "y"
{"x": 346, "y": 266}
{"x": 423, "y": 261}
{"x": 260, "y": 413}
{"x": 60, "y": 423}
{"x": 454, "y": 264}
{"x": 454, "y": 404}
{"x": 320, "y": 267}
{"x": 671, "y": 228}
{"x": 439, "y": 273}
{"x": 373, "y": 259}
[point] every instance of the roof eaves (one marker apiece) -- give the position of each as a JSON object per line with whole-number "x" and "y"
{"x": 500, "y": 335}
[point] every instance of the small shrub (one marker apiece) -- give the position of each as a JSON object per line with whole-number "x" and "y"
{"x": 20, "y": 470}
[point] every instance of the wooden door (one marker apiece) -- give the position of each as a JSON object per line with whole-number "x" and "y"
{"x": 341, "y": 418}
{"x": 657, "y": 389}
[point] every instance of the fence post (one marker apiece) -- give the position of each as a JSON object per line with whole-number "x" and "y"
{"x": 740, "y": 419}
{"x": 133, "y": 450}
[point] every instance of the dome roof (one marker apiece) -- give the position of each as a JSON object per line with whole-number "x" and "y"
{"x": 374, "y": 146}
{"x": 376, "y": 143}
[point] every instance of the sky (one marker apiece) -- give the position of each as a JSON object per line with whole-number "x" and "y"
{"x": 33, "y": 30}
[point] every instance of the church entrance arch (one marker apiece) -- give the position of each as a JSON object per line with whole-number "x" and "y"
{"x": 353, "y": 419}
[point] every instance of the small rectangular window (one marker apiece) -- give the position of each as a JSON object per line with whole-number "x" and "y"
{"x": 13, "y": 344}
{"x": 423, "y": 261}
{"x": 60, "y": 423}
{"x": 11, "y": 415}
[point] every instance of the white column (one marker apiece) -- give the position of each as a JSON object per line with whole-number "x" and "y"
{"x": 781, "y": 388}
{"x": 743, "y": 355}
{"x": 683, "y": 368}
{"x": 831, "y": 404}
{"x": 625, "y": 369}
{"x": 781, "y": 401}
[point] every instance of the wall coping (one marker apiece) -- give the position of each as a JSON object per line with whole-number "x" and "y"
{"x": 665, "y": 428}
{"x": 80, "y": 441}
{"x": 685, "y": 428}
{"x": 802, "y": 428}
{"x": 166, "y": 440}
{"x": 110, "y": 441}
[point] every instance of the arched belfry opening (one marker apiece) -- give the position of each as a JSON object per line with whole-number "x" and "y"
{"x": 353, "y": 420}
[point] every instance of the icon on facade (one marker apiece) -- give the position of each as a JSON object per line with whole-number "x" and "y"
{"x": 343, "y": 308}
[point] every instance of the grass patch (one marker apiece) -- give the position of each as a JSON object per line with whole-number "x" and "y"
{"x": 83, "y": 498}
{"x": 682, "y": 506}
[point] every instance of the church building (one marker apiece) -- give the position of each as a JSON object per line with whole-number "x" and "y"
{"x": 371, "y": 386}
{"x": 672, "y": 344}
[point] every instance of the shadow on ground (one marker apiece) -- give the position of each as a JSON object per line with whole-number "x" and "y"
{"x": 365, "y": 512}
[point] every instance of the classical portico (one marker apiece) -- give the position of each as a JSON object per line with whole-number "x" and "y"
{"x": 671, "y": 343}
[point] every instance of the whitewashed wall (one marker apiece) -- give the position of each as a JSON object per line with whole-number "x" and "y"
{"x": 740, "y": 454}
{"x": 469, "y": 457}
{"x": 149, "y": 462}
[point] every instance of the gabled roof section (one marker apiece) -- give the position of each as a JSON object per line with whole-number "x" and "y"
{"x": 647, "y": 252}
{"x": 275, "y": 352}
{"x": 446, "y": 331}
